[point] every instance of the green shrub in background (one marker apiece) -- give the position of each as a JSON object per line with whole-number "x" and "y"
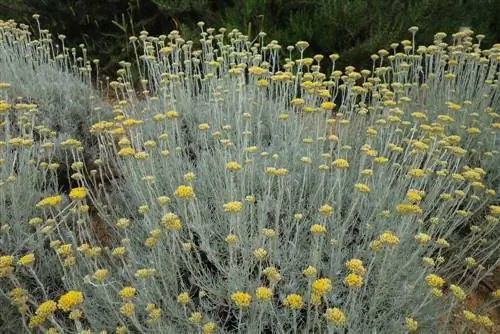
{"x": 352, "y": 28}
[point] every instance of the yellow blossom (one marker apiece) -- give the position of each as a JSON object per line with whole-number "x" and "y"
{"x": 272, "y": 274}
{"x": 355, "y": 266}
{"x": 27, "y": 260}
{"x": 263, "y": 294}
{"x": 340, "y": 163}
{"x": 50, "y": 201}
{"x": 362, "y": 188}
{"x": 293, "y": 301}
{"x": 260, "y": 253}
{"x": 46, "y": 309}
{"x": 69, "y": 300}
{"x": 318, "y": 229}
{"x": 100, "y": 274}
{"x": 233, "y": 166}
{"x": 310, "y": 272}
{"x": 233, "y": 207}
{"x": 241, "y": 299}
{"x": 183, "y": 298}
{"x": 231, "y": 239}
{"x": 422, "y": 238}
{"x": 335, "y": 316}
{"x": 408, "y": 209}
{"x": 208, "y": 328}
{"x": 127, "y": 293}
{"x": 416, "y": 173}
{"x": 78, "y": 193}
{"x": 434, "y": 281}
{"x": 484, "y": 321}
{"x": 127, "y": 310}
{"x": 326, "y": 210}
{"x": 388, "y": 238}
{"x": 413, "y": 196}
{"x": 353, "y": 280}
{"x": 185, "y": 192}
{"x": 322, "y": 286}
{"x": 458, "y": 292}
{"x": 411, "y": 324}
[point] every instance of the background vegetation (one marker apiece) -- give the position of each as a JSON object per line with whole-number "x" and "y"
{"x": 352, "y": 28}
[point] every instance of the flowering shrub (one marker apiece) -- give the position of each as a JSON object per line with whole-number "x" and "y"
{"x": 247, "y": 193}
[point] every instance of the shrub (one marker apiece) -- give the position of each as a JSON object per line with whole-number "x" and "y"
{"x": 246, "y": 195}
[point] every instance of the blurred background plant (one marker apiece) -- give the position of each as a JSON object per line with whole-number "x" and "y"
{"x": 352, "y": 28}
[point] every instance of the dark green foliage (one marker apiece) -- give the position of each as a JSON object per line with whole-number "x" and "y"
{"x": 103, "y": 26}
{"x": 353, "y": 28}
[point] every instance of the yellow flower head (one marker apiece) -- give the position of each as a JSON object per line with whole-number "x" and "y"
{"x": 195, "y": 318}
{"x": 318, "y": 229}
{"x": 70, "y": 300}
{"x": 263, "y": 294}
{"x": 241, "y": 299}
{"x": 458, "y": 292}
{"x": 183, "y": 298}
{"x": 322, "y": 286}
{"x": 36, "y": 321}
{"x": 233, "y": 207}
{"x": 233, "y": 166}
{"x": 327, "y": 105}
{"x": 335, "y": 316}
{"x": 416, "y": 173}
{"x": 260, "y": 253}
{"x": 326, "y": 210}
{"x": 434, "y": 281}
{"x": 353, "y": 280}
{"x": 127, "y": 293}
{"x": 171, "y": 221}
{"x": 470, "y": 316}
{"x": 185, "y": 192}
{"x": 340, "y": 163}
{"x": 484, "y": 321}
{"x": 310, "y": 272}
{"x": 495, "y": 210}
{"x": 272, "y": 274}
{"x": 422, "y": 238}
{"x": 293, "y": 301}
{"x": 50, "y": 201}
{"x": 46, "y": 309}
{"x": 27, "y": 260}
{"x": 208, "y": 328}
{"x": 388, "y": 238}
{"x": 408, "y": 209}
{"x": 231, "y": 239}
{"x": 355, "y": 266}
{"x": 413, "y": 196}
{"x": 362, "y": 188}
{"x": 100, "y": 274}
{"x": 127, "y": 310}
{"x": 126, "y": 152}
{"x": 411, "y": 324}
{"x": 78, "y": 193}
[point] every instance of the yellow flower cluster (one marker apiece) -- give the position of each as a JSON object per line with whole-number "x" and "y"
{"x": 293, "y": 301}
{"x": 70, "y": 300}
{"x": 233, "y": 207}
{"x": 241, "y": 299}
{"x": 50, "y": 201}
{"x": 77, "y": 194}
{"x": 185, "y": 192}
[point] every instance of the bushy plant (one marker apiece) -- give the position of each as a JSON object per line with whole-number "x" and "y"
{"x": 242, "y": 195}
